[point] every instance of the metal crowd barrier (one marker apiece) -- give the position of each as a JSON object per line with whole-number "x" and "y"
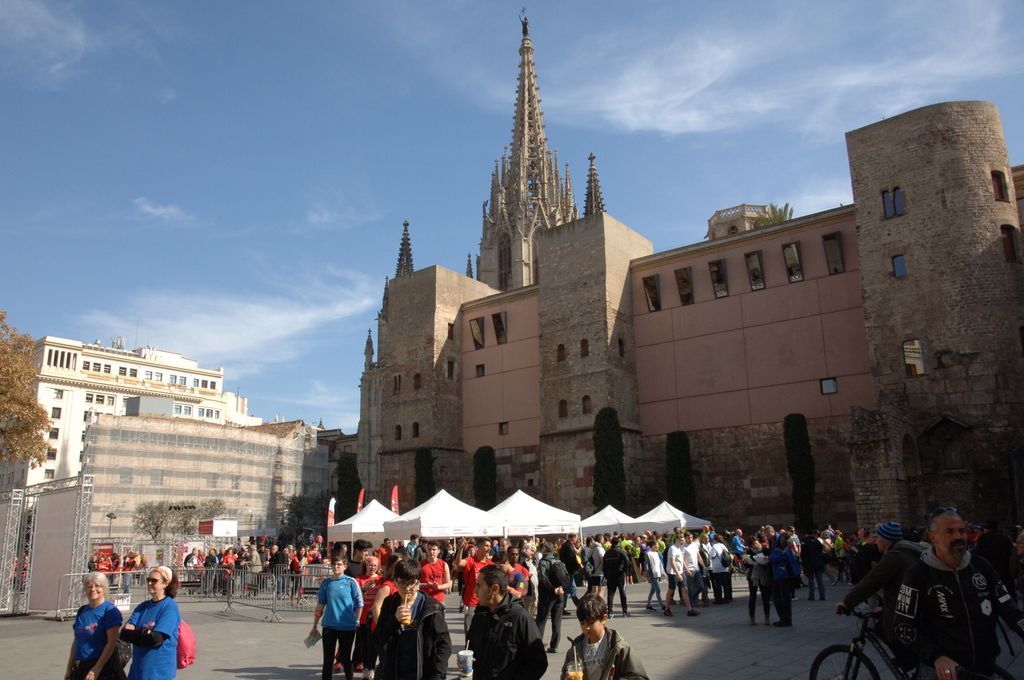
{"x": 277, "y": 590}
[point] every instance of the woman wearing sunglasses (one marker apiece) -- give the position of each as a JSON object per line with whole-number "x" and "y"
{"x": 153, "y": 629}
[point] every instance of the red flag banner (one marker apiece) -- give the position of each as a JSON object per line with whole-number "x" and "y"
{"x": 394, "y": 499}
{"x": 359, "y": 503}
{"x": 330, "y": 513}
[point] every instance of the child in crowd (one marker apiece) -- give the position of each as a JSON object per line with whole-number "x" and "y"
{"x": 600, "y": 651}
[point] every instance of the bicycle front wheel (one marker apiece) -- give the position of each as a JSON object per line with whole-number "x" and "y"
{"x": 839, "y": 662}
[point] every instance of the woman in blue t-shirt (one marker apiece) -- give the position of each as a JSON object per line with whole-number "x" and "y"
{"x": 93, "y": 651}
{"x": 339, "y": 602}
{"x": 153, "y": 629}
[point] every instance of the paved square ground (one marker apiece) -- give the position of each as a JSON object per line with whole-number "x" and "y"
{"x": 721, "y": 643}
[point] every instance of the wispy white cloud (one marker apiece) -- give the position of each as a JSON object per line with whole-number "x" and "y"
{"x": 168, "y": 94}
{"x": 821, "y": 194}
{"x": 168, "y": 212}
{"x": 338, "y": 407}
{"x": 243, "y": 332}
{"x": 41, "y": 41}
{"x": 333, "y": 208}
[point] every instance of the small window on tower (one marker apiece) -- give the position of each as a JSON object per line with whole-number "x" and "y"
{"x": 684, "y": 281}
{"x": 585, "y": 405}
{"x": 719, "y": 282}
{"x": 833, "y": 252}
{"x": 476, "y": 328}
{"x": 999, "y": 189}
{"x": 396, "y": 382}
{"x": 652, "y": 291}
{"x": 899, "y": 266}
{"x": 1011, "y": 243}
{"x": 451, "y": 331}
{"x": 417, "y": 381}
{"x": 913, "y": 357}
{"x": 622, "y": 348}
{"x": 584, "y": 348}
{"x": 500, "y": 321}
{"x": 451, "y": 370}
{"x": 755, "y": 272}
{"x": 563, "y": 409}
{"x": 791, "y": 256}
{"x": 503, "y": 427}
{"x": 415, "y": 430}
{"x": 481, "y": 370}
{"x": 398, "y": 432}
{"x": 560, "y": 353}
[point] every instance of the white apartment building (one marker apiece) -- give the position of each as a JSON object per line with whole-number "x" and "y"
{"x": 77, "y": 381}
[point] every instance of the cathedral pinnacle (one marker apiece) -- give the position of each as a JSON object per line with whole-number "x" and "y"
{"x": 404, "y": 267}
{"x": 469, "y": 265}
{"x": 595, "y": 202}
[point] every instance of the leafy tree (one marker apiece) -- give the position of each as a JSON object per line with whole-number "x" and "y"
{"x": 424, "y": 467}
{"x": 776, "y": 214}
{"x": 609, "y": 454}
{"x": 485, "y": 478}
{"x": 679, "y": 487}
{"x": 305, "y": 513}
{"x": 348, "y": 486}
{"x": 22, "y": 420}
{"x": 182, "y": 518}
{"x": 152, "y": 518}
{"x": 800, "y": 464}
{"x": 212, "y": 507}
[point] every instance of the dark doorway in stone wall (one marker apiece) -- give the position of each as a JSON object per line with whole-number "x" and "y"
{"x": 912, "y": 479}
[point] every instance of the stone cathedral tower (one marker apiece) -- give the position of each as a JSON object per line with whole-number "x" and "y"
{"x": 527, "y": 193}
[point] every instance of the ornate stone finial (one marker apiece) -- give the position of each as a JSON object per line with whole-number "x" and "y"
{"x": 595, "y": 201}
{"x": 525, "y": 22}
{"x": 404, "y": 267}
{"x": 469, "y": 265}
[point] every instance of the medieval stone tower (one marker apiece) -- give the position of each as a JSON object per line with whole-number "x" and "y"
{"x": 943, "y": 288}
{"x": 527, "y": 194}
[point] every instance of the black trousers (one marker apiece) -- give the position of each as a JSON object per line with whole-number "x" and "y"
{"x": 721, "y": 582}
{"x": 337, "y": 642}
{"x": 782, "y": 595}
{"x": 365, "y": 651}
{"x": 550, "y": 604}
{"x": 766, "y": 602}
{"x": 615, "y": 583}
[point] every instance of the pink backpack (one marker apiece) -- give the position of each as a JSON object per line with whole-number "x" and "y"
{"x": 186, "y": 645}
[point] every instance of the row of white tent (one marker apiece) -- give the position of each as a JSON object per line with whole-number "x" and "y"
{"x": 444, "y": 516}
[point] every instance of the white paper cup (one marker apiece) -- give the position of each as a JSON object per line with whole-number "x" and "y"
{"x": 465, "y": 660}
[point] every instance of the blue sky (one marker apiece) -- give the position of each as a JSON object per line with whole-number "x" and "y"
{"x": 229, "y": 179}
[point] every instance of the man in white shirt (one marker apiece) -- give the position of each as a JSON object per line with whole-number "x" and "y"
{"x": 691, "y": 561}
{"x": 721, "y": 577}
{"x": 677, "y": 575}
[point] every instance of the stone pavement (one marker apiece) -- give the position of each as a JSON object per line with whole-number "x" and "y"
{"x": 719, "y": 644}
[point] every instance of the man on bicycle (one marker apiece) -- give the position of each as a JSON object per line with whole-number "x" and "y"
{"x": 947, "y": 606}
{"x": 898, "y": 556}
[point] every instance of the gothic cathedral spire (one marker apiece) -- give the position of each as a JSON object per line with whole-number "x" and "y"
{"x": 404, "y": 267}
{"x": 527, "y": 193}
{"x": 594, "y": 203}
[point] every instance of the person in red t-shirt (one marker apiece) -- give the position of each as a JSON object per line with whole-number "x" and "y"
{"x": 471, "y": 566}
{"x": 384, "y": 551}
{"x": 369, "y": 581}
{"x": 436, "y": 577}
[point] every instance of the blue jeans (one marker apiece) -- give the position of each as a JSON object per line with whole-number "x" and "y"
{"x": 816, "y": 577}
{"x": 570, "y": 592}
{"x": 695, "y": 586}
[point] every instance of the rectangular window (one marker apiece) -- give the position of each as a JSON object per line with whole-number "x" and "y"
{"x": 791, "y": 256}
{"x": 51, "y": 453}
{"x": 1011, "y": 247}
{"x": 899, "y": 266}
{"x": 204, "y": 384}
{"x": 829, "y": 385}
{"x": 182, "y": 380}
{"x": 173, "y": 379}
{"x": 684, "y": 281}
{"x": 213, "y": 385}
{"x": 55, "y": 412}
{"x": 719, "y": 282}
{"x": 133, "y": 373}
{"x": 480, "y": 370}
{"x": 88, "y": 397}
{"x": 148, "y": 375}
{"x": 156, "y": 477}
{"x": 913, "y": 357}
{"x": 503, "y": 428}
{"x": 122, "y": 370}
{"x": 85, "y": 417}
{"x": 451, "y": 370}
{"x": 158, "y": 376}
{"x": 85, "y": 365}
{"x": 500, "y": 321}
{"x": 195, "y": 382}
{"x": 834, "y": 252}
{"x": 186, "y": 410}
{"x": 58, "y": 394}
{"x": 893, "y": 203}
{"x": 999, "y": 186}
{"x": 652, "y": 291}
{"x": 106, "y": 368}
{"x": 216, "y": 414}
{"x": 177, "y": 409}
{"x": 49, "y": 474}
{"x": 755, "y": 272}
{"x": 55, "y": 433}
{"x": 201, "y": 412}
{"x": 476, "y": 329}
{"x": 125, "y": 477}
{"x": 396, "y": 383}
{"x": 451, "y": 331}
{"x": 100, "y": 399}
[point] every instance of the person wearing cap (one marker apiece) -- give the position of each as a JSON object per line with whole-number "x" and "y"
{"x": 898, "y": 556}
{"x": 153, "y": 629}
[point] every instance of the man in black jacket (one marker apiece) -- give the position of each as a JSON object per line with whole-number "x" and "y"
{"x": 614, "y": 566}
{"x": 419, "y": 649}
{"x": 946, "y": 608}
{"x": 552, "y": 580}
{"x": 569, "y": 554}
{"x": 504, "y": 639}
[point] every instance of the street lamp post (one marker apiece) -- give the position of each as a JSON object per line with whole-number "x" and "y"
{"x": 110, "y": 523}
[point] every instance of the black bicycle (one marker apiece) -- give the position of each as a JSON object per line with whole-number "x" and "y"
{"x": 847, "y": 662}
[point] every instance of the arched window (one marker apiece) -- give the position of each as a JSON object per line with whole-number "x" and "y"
{"x": 563, "y": 409}
{"x": 561, "y": 353}
{"x": 398, "y": 432}
{"x": 1011, "y": 245}
{"x": 584, "y": 348}
{"x": 417, "y": 382}
{"x": 415, "y": 430}
{"x": 585, "y": 404}
{"x": 504, "y": 261}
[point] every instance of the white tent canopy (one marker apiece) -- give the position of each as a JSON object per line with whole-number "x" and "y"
{"x": 523, "y": 515}
{"x": 442, "y": 516}
{"x": 665, "y": 517}
{"x": 604, "y": 521}
{"x": 367, "y": 524}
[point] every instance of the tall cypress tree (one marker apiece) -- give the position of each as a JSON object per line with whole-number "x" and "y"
{"x": 800, "y": 464}
{"x": 679, "y": 487}
{"x": 426, "y": 487}
{"x": 485, "y": 478}
{"x": 609, "y": 454}
{"x": 348, "y": 487}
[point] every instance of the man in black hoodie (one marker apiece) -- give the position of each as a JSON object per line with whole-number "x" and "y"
{"x": 504, "y": 638}
{"x": 417, "y": 649}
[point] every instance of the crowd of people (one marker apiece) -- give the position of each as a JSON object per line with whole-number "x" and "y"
{"x": 381, "y": 610}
